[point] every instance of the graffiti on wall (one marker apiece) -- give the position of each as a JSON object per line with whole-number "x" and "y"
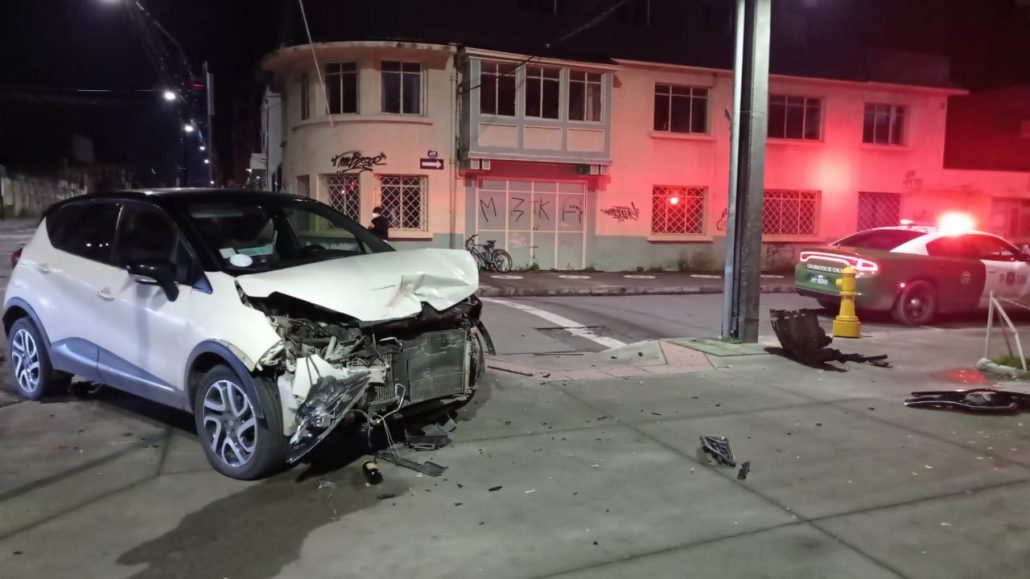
{"x": 355, "y": 162}
{"x": 572, "y": 211}
{"x": 623, "y": 213}
{"x": 721, "y": 224}
{"x": 776, "y": 252}
{"x": 488, "y": 209}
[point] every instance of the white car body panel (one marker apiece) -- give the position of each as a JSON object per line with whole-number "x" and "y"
{"x": 376, "y": 287}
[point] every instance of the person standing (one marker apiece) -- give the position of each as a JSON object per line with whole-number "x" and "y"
{"x": 380, "y": 224}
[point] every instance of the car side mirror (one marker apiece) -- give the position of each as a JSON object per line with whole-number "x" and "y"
{"x": 159, "y": 273}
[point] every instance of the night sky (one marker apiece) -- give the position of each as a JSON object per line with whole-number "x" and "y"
{"x": 51, "y": 48}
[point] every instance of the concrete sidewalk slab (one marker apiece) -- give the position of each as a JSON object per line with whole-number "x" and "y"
{"x": 716, "y": 347}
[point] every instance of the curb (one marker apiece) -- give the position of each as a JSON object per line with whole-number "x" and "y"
{"x": 488, "y": 291}
{"x": 988, "y": 367}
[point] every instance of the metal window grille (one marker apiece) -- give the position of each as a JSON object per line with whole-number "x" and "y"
{"x": 404, "y": 201}
{"x": 878, "y": 210}
{"x": 345, "y": 194}
{"x": 790, "y": 212}
{"x": 679, "y": 210}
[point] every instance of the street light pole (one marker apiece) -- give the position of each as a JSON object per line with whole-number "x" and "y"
{"x": 747, "y": 172}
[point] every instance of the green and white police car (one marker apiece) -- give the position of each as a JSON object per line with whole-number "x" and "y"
{"x": 916, "y": 272}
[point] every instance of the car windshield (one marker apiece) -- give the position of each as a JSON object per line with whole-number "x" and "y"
{"x": 885, "y": 239}
{"x": 251, "y": 237}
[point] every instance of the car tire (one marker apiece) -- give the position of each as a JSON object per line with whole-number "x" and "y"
{"x": 236, "y": 441}
{"x": 34, "y": 375}
{"x": 917, "y": 304}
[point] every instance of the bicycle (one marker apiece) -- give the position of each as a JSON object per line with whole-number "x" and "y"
{"x": 487, "y": 255}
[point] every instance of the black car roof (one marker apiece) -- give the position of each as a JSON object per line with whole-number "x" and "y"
{"x": 181, "y": 196}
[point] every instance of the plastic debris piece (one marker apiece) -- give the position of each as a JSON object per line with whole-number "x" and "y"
{"x": 326, "y": 484}
{"x": 495, "y": 489}
{"x": 718, "y": 447}
{"x": 371, "y": 471}
{"x": 976, "y": 400}
{"x": 530, "y": 491}
{"x": 428, "y": 468}
{"x": 745, "y": 468}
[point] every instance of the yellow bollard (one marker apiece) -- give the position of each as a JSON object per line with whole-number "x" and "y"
{"x": 846, "y": 324}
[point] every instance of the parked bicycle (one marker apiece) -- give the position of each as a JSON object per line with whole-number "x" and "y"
{"x": 487, "y": 255}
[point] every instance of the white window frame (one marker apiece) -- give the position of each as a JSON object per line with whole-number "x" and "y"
{"x": 893, "y": 111}
{"x": 801, "y": 109}
{"x": 497, "y": 71}
{"x": 696, "y": 93}
{"x": 588, "y": 79}
{"x": 661, "y": 194}
{"x": 406, "y": 183}
{"x": 535, "y": 73}
{"x": 401, "y": 73}
{"x": 335, "y": 72}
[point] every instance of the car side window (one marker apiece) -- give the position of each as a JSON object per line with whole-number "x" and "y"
{"x": 145, "y": 235}
{"x": 85, "y": 229}
{"x": 953, "y": 246}
{"x": 993, "y": 249}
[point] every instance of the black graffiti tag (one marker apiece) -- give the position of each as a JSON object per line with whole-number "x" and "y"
{"x": 485, "y": 204}
{"x": 355, "y": 162}
{"x": 516, "y": 211}
{"x": 621, "y": 212}
{"x": 721, "y": 224}
{"x": 541, "y": 210}
{"x": 571, "y": 207}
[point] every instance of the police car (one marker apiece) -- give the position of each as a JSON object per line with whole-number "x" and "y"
{"x": 917, "y": 272}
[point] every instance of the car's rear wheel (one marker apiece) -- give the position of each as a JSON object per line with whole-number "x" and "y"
{"x": 34, "y": 375}
{"x": 917, "y": 304}
{"x": 237, "y": 441}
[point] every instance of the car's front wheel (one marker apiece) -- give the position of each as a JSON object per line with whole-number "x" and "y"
{"x": 238, "y": 442}
{"x": 34, "y": 375}
{"x": 917, "y": 304}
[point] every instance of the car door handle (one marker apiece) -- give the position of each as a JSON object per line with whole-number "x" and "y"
{"x": 105, "y": 294}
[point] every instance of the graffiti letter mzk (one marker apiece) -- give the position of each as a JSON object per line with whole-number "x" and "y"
{"x": 621, "y": 213}
{"x": 355, "y": 162}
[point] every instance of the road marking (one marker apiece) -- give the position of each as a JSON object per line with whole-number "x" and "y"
{"x": 574, "y": 276}
{"x": 575, "y": 328}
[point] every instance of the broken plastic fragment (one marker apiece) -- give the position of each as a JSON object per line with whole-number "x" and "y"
{"x": 328, "y": 402}
{"x": 719, "y": 449}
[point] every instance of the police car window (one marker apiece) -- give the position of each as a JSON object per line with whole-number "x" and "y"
{"x": 953, "y": 246}
{"x": 84, "y": 229}
{"x": 993, "y": 249}
{"x": 885, "y": 239}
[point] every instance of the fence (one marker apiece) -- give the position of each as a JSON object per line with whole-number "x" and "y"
{"x": 30, "y": 196}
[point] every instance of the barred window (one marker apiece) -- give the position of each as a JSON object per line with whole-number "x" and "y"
{"x": 678, "y": 210}
{"x": 344, "y": 194}
{"x": 878, "y": 210}
{"x": 341, "y": 85}
{"x": 680, "y": 109}
{"x": 403, "y": 199}
{"x": 790, "y": 212}
{"x": 794, "y": 117}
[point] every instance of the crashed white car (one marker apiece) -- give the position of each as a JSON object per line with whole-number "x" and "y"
{"x": 270, "y": 317}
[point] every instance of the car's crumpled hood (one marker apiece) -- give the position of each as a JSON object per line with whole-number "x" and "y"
{"x": 375, "y": 287}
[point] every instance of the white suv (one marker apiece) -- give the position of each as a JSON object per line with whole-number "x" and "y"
{"x": 270, "y": 317}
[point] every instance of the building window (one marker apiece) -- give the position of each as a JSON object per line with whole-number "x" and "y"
{"x": 678, "y": 210}
{"x": 403, "y": 199}
{"x": 790, "y": 212}
{"x": 303, "y": 186}
{"x": 635, "y": 12}
{"x": 794, "y": 117}
{"x": 344, "y": 194}
{"x": 341, "y": 85}
{"x": 542, "y": 91}
{"x": 402, "y": 87}
{"x": 878, "y": 210}
{"x": 680, "y": 109}
{"x": 584, "y": 96}
{"x": 497, "y": 89}
{"x": 545, "y": 7}
{"x": 884, "y": 125}
{"x": 1010, "y": 218}
{"x": 305, "y": 97}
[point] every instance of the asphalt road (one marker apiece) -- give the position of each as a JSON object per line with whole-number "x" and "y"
{"x": 560, "y": 324}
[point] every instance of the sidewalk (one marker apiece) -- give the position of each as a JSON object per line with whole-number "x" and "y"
{"x": 580, "y": 465}
{"x": 548, "y": 283}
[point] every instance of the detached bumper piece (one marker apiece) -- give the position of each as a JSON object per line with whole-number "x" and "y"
{"x": 719, "y": 449}
{"x": 976, "y": 400}
{"x": 327, "y": 404}
{"x": 804, "y": 340}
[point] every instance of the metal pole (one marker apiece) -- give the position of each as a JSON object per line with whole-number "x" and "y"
{"x": 747, "y": 179}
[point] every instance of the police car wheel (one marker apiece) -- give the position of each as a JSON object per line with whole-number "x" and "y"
{"x": 917, "y": 304}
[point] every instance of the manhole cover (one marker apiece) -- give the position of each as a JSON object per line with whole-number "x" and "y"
{"x": 705, "y": 276}
{"x": 574, "y": 276}
{"x": 638, "y": 276}
{"x": 501, "y": 276}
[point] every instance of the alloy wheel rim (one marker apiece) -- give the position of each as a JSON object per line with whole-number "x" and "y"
{"x": 916, "y": 305}
{"x": 230, "y": 423}
{"x": 25, "y": 355}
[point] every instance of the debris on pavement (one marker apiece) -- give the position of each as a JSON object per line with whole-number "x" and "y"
{"x": 326, "y": 484}
{"x": 745, "y": 468}
{"x": 371, "y": 471}
{"x": 719, "y": 449}
{"x": 495, "y": 489}
{"x": 976, "y": 400}
{"x": 804, "y": 340}
{"x": 427, "y": 468}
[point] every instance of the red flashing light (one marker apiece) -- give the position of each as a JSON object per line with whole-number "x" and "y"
{"x": 861, "y": 265}
{"x": 198, "y": 86}
{"x": 674, "y": 200}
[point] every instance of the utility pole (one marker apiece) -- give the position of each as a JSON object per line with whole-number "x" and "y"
{"x": 209, "y": 108}
{"x": 747, "y": 172}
